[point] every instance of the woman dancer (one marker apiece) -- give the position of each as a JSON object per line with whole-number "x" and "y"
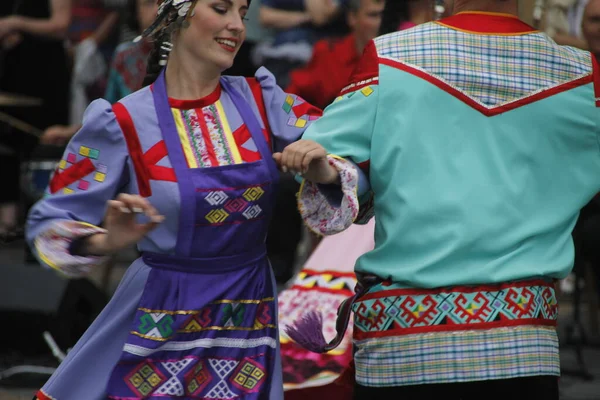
{"x": 184, "y": 169}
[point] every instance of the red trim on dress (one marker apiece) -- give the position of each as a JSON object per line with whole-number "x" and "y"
{"x": 241, "y": 136}
{"x": 305, "y": 108}
{"x": 487, "y": 23}
{"x": 43, "y": 396}
{"x": 197, "y": 103}
{"x": 134, "y": 147}
{"x": 160, "y": 173}
{"x": 210, "y": 148}
{"x": 154, "y": 155}
{"x": 256, "y": 89}
{"x": 71, "y": 175}
{"x": 478, "y": 106}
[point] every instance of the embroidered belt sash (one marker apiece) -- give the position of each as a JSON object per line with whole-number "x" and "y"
{"x": 393, "y": 311}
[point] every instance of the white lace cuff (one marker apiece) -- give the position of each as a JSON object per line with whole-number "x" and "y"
{"x": 53, "y": 248}
{"x": 316, "y": 208}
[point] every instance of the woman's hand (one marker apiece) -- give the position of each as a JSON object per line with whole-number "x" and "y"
{"x": 122, "y": 228}
{"x": 309, "y": 159}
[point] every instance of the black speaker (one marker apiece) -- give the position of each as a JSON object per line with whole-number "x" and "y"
{"x": 34, "y": 300}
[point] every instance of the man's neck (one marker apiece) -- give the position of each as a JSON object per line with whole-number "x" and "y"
{"x": 495, "y": 6}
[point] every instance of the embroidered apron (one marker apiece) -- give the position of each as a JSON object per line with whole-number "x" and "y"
{"x": 206, "y": 326}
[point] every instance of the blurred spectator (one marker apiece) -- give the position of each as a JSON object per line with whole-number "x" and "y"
{"x": 563, "y": 22}
{"x": 127, "y": 70}
{"x": 244, "y": 64}
{"x": 591, "y": 27}
{"x": 93, "y": 35}
{"x": 298, "y": 24}
{"x": 400, "y": 15}
{"x": 33, "y": 62}
{"x": 128, "y": 67}
{"x": 394, "y": 13}
{"x": 333, "y": 60}
{"x": 419, "y": 12}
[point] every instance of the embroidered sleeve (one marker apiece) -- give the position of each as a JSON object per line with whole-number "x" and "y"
{"x": 288, "y": 115}
{"x": 92, "y": 170}
{"x": 345, "y": 130}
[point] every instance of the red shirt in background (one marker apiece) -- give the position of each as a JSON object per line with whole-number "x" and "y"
{"x": 327, "y": 73}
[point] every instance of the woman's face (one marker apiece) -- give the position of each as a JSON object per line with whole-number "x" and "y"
{"x": 216, "y": 32}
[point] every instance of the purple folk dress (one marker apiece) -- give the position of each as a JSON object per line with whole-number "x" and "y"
{"x": 196, "y": 316}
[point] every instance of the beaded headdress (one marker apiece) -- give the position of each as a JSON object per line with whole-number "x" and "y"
{"x": 168, "y": 21}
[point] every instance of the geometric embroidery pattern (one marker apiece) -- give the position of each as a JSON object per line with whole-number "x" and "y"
{"x": 198, "y": 321}
{"x": 217, "y": 216}
{"x": 252, "y": 212}
{"x": 263, "y": 316}
{"x": 302, "y": 112}
{"x": 144, "y": 379}
{"x": 236, "y": 205}
{"x": 253, "y": 193}
{"x": 222, "y": 368}
{"x": 392, "y": 312}
{"x": 197, "y": 379}
{"x": 76, "y": 169}
{"x": 318, "y": 279}
{"x": 367, "y": 91}
{"x": 249, "y": 376}
{"x": 233, "y": 314}
{"x": 242, "y": 315}
{"x": 173, "y": 386}
{"x": 156, "y": 325}
{"x": 243, "y": 205}
{"x": 216, "y": 198}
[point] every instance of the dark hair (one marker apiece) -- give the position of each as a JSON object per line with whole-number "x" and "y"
{"x": 394, "y": 13}
{"x": 163, "y": 29}
{"x": 131, "y": 19}
{"x": 160, "y": 37}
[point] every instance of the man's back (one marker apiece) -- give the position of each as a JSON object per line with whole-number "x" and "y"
{"x": 479, "y": 137}
{"x": 486, "y": 148}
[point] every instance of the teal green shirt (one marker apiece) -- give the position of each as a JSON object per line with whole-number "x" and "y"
{"x": 480, "y": 151}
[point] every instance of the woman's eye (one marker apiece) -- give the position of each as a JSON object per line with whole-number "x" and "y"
{"x": 220, "y": 10}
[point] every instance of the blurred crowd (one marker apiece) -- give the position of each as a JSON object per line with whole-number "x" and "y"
{"x": 66, "y": 53}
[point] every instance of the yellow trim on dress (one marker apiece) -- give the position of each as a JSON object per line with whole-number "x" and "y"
{"x": 184, "y": 139}
{"x": 235, "y": 152}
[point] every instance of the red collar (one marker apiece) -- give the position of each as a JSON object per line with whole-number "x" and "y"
{"x": 197, "y": 103}
{"x": 487, "y": 23}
